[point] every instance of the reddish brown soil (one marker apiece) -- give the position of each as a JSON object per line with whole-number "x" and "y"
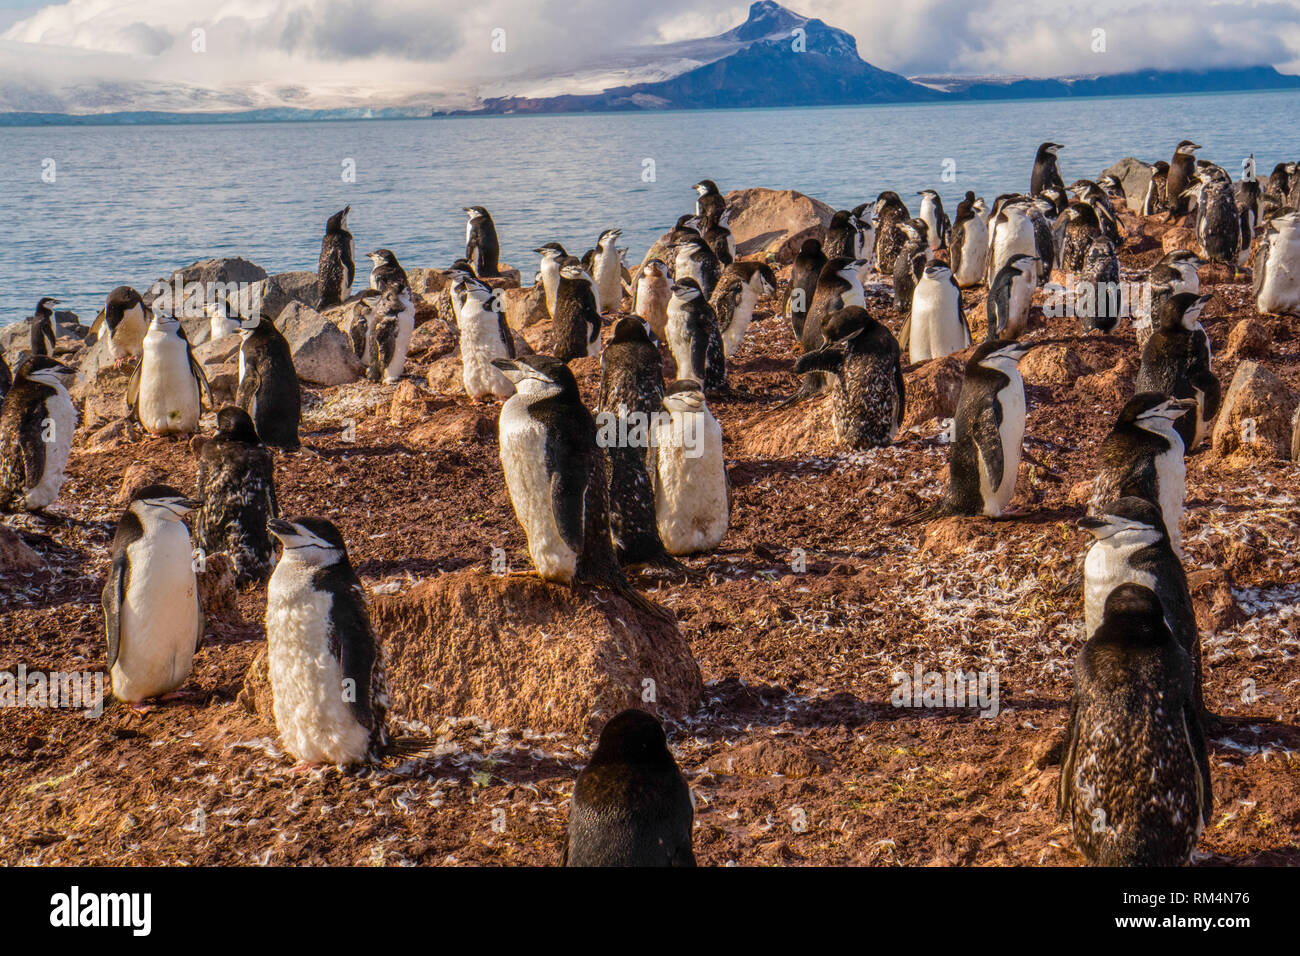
{"x": 796, "y": 757}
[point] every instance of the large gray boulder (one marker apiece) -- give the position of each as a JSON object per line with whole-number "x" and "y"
{"x": 284, "y": 287}
{"x": 322, "y": 354}
{"x": 1135, "y": 176}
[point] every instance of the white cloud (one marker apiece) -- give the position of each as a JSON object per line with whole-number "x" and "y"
{"x": 421, "y": 52}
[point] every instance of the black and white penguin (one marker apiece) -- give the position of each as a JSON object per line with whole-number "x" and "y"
{"x": 710, "y": 204}
{"x": 553, "y": 258}
{"x": 631, "y": 392}
{"x": 387, "y": 273}
{"x": 841, "y": 239}
{"x": 1135, "y": 777}
{"x": 935, "y": 219}
{"x": 1081, "y": 228}
{"x": 336, "y": 269}
{"x": 328, "y": 690}
{"x": 807, "y": 268}
{"x": 738, "y": 290}
{"x": 482, "y": 248}
{"x": 695, "y": 260}
{"x": 1114, "y": 190}
{"x": 1218, "y": 221}
{"x": 37, "y": 421}
{"x": 575, "y": 331}
{"x": 890, "y": 211}
{"x": 153, "y": 621}
{"x": 653, "y": 291}
{"x": 607, "y": 271}
{"x": 910, "y": 263}
{"x": 631, "y": 806}
{"x": 1176, "y": 362}
{"x": 689, "y": 472}
{"x": 968, "y": 248}
{"x": 223, "y": 318}
{"x": 869, "y": 395}
{"x": 1132, "y": 547}
{"x": 1155, "y": 200}
{"x": 127, "y": 321}
{"x": 42, "y": 328}
{"x": 1181, "y": 176}
{"x": 484, "y": 335}
{"x": 1009, "y": 298}
{"x": 866, "y": 244}
{"x": 1099, "y": 285}
{"x": 1277, "y": 267}
{"x": 720, "y": 240}
{"x": 694, "y": 338}
{"x": 988, "y": 435}
{"x": 268, "y": 388}
{"x": 556, "y": 475}
{"x": 167, "y": 389}
{"x": 1142, "y": 456}
{"x": 236, "y": 485}
{"x": 1046, "y": 172}
{"x": 937, "y": 325}
{"x": 1011, "y": 233}
{"x": 390, "y": 323}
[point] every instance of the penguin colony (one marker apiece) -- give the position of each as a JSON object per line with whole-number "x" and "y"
{"x": 1135, "y": 783}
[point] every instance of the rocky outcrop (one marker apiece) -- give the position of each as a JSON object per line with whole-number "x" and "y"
{"x": 1256, "y": 418}
{"x": 1135, "y": 176}
{"x": 1052, "y": 365}
{"x": 322, "y": 354}
{"x": 775, "y": 221}
{"x": 932, "y": 391}
{"x": 15, "y": 555}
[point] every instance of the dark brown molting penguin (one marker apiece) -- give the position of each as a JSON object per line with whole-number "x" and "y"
{"x": 236, "y": 484}
{"x": 1176, "y": 362}
{"x": 1182, "y": 174}
{"x": 336, "y": 269}
{"x": 1046, "y": 172}
{"x": 631, "y": 806}
{"x": 631, "y": 389}
{"x": 1135, "y": 778}
{"x": 864, "y": 359}
{"x": 1155, "y": 201}
{"x": 42, "y": 329}
{"x": 909, "y": 264}
{"x": 890, "y": 238}
{"x": 1081, "y": 229}
{"x": 1099, "y": 285}
{"x": 841, "y": 236}
{"x": 710, "y": 205}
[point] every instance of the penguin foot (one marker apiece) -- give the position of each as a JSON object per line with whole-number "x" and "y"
{"x": 176, "y": 695}
{"x": 139, "y": 708}
{"x": 303, "y": 767}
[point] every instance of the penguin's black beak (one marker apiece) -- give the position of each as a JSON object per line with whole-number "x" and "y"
{"x": 279, "y": 527}
{"x": 1091, "y": 523}
{"x": 505, "y": 364}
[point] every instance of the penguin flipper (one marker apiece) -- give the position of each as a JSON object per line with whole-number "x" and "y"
{"x": 133, "y": 391}
{"x": 901, "y": 385}
{"x": 351, "y": 638}
{"x": 507, "y": 335}
{"x": 114, "y": 596}
{"x": 1261, "y": 266}
{"x": 1196, "y": 739}
{"x": 205, "y": 389}
{"x": 827, "y": 359}
{"x": 905, "y": 334}
{"x": 567, "y": 467}
{"x": 985, "y": 429}
{"x": 1067, "y": 760}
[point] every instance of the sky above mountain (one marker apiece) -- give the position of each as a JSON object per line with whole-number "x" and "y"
{"x": 146, "y": 54}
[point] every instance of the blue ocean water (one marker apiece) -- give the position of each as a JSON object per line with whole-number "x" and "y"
{"x": 130, "y": 204}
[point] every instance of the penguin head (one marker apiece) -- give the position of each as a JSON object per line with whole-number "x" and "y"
{"x": 382, "y": 257}
{"x": 632, "y": 737}
{"x": 889, "y": 200}
{"x": 688, "y": 223}
{"x": 551, "y": 251}
{"x": 46, "y": 371}
{"x": 938, "y": 271}
{"x": 915, "y": 229}
{"x": 313, "y": 541}
{"x": 161, "y": 503}
{"x": 1100, "y": 249}
{"x": 687, "y": 290}
{"x": 978, "y": 205}
{"x": 43, "y": 307}
{"x": 655, "y": 268}
{"x": 609, "y": 236}
{"x": 1026, "y": 265}
{"x": 574, "y": 271}
{"x": 705, "y": 186}
{"x": 1187, "y": 148}
{"x": 1181, "y": 311}
{"x": 538, "y": 376}
{"x": 999, "y": 355}
{"x": 763, "y": 279}
{"x": 234, "y": 423}
{"x": 631, "y": 328}
{"x": 1134, "y": 615}
{"x": 1049, "y": 149}
{"x": 811, "y": 249}
{"x": 1155, "y": 412}
{"x": 862, "y": 213}
{"x": 845, "y": 324}
{"x": 476, "y": 212}
{"x": 339, "y": 221}
{"x": 685, "y": 396}
{"x": 1131, "y": 521}
{"x": 929, "y": 194}
{"x": 166, "y": 323}
{"x": 462, "y": 267}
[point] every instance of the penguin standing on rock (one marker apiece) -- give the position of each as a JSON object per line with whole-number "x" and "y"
{"x": 336, "y": 269}
{"x": 936, "y": 326}
{"x": 631, "y": 806}
{"x": 37, "y": 421}
{"x": 553, "y": 258}
{"x": 1176, "y": 362}
{"x": 387, "y": 273}
{"x": 653, "y": 291}
{"x": 1181, "y": 176}
{"x": 575, "y": 331}
{"x": 42, "y": 333}
{"x": 870, "y": 396}
{"x": 1046, "y": 171}
{"x": 890, "y": 211}
{"x": 1143, "y": 457}
{"x": 236, "y": 484}
{"x": 689, "y": 472}
{"x": 330, "y": 698}
{"x": 556, "y": 475}
{"x": 1135, "y": 778}
{"x": 988, "y": 435}
{"x": 127, "y": 321}
{"x": 1277, "y": 267}
{"x": 166, "y": 390}
{"x": 1132, "y": 547}
{"x": 484, "y": 335}
{"x": 710, "y": 205}
{"x": 631, "y": 392}
{"x": 482, "y": 248}
{"x": 153, "y": 621}
{"x": 694, "y": 337}
{"x": 1012, "y": 291}
{"x": 807, "y": 268}
{"x": 607, "y": 271}
{"x": 268, "y": 388}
